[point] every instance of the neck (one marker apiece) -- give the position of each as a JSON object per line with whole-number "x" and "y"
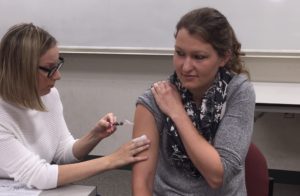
{"x": 198, "y": 93}
{"x": 197, "y": 97}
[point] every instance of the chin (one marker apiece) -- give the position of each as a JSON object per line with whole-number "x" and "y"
{"x": 44, "y": 92}
{"x": 192, "y": 87}
{"x": 189, "y": 85}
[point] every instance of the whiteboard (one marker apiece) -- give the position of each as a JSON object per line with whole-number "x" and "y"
{"x": 259, "y": 24}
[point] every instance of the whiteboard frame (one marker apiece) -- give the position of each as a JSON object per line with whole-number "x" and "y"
{"x": 290, "y": 54}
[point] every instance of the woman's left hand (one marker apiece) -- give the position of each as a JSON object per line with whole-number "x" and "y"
{"x": 104, "y": 126}
{"x": 167, "y": 98}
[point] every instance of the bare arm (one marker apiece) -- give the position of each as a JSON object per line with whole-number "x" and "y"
{"x": 124, "y": 155}
{"x": 143, "y": 172}
{"x": 207, "y": 160}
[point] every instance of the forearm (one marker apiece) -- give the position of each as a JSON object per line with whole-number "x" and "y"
{"x": 207, "y": 160}
{"x": 126, "y": 154}
{"x": 85, "y": 145}
{"x": 78, "y": 171}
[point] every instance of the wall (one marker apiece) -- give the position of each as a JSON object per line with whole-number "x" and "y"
{"x": 259, "y": 24}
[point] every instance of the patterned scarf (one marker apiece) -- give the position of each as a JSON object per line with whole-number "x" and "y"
{"x": 206, "y": 119}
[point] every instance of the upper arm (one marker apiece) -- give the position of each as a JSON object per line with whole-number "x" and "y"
{"x": 235, "y": 131}
{"x": 144, "y": 171}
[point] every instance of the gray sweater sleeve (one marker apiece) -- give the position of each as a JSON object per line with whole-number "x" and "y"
{"x": 235, "y": 131}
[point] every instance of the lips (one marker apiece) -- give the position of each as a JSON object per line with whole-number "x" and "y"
{"x": 188, "y": 77}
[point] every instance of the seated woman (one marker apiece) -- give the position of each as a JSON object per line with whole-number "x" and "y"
{"x": 200, "y": 119}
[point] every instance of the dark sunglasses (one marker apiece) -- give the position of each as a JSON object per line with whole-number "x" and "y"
{"x": 51, "y": 71}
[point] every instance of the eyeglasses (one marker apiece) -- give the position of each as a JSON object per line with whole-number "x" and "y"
{"x": 51, "y": 71}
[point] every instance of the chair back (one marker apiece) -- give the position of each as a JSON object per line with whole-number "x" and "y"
{"x": 256, "y": 172}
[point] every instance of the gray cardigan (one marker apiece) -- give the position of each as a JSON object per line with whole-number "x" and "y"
{"x": 231, "y": 141}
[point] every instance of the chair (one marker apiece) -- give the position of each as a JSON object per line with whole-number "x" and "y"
{"x": 258, "y": 182}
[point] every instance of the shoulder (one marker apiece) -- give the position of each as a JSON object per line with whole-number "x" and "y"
{"x": 53, "y": 93}
{"x": 52, "y": 99}
{"x": 240, "y": 81}
{"x": 148, "y": 101}
{"x": 6, "y": 112}
{"x": 240, "y": 84}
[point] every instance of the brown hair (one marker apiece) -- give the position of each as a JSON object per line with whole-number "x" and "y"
{"x": 20, "y": 51}
{"x": 212, "y": 26}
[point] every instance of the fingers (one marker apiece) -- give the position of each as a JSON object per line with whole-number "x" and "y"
{"x": 141, "y": 138}
{"x": 110, "y": 118}
{"x": 157, "y": 88}
{"x": 160, "y": 84}
{"x": 139, "y": 144}
{"x": 130, "y": 153}
{"x": 161, "y": 87}
{"x": 140, "y": 149}
{"x": 107, "y": 122}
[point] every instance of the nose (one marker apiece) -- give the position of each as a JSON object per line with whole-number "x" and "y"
{"x": 187, "y": 64}
{"x": 56, "y": 75}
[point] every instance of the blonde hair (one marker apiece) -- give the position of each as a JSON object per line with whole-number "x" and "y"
{"x": 20, "y": 51}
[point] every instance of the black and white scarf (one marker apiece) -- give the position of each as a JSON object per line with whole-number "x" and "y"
{"x": 206, "y": 119}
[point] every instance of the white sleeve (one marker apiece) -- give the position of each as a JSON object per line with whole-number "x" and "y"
{"x": 64, "y": 152}
{"x": 25, "y": 166}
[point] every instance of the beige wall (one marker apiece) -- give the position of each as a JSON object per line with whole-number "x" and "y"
{"x": 94, "y": 84}
{"x": 274, "y": 68}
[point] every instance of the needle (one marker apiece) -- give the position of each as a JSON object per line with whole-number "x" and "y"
{"x": 118, "y": 124}
{"x": 125, "y": 122}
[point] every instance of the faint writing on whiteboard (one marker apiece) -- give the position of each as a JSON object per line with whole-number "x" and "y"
{"x": 12, "y": 188}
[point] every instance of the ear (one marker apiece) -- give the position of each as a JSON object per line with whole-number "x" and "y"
{"x": 225, "y": 59}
